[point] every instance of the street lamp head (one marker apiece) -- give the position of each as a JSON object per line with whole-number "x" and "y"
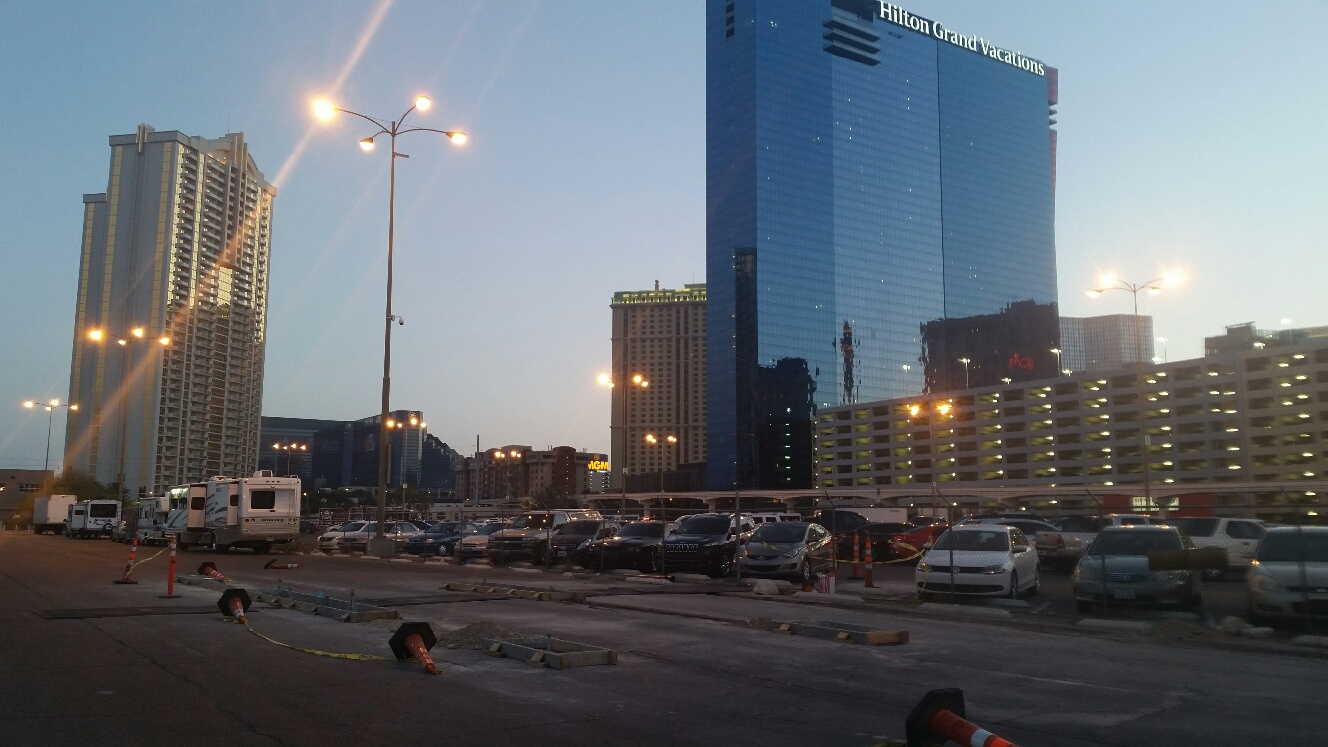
{"x": 943, "y": 408}
{"x": 1153, "y": 290}
{"x": 122, "y": 342}
{"x": 965, "y": 361}
{"x": 913, "y": 410}
{"x": 1172, "y": 278}
{"x": 604, "y": 380}
{"x": 1055, "y": 351}
{"x": 367, "y": 144}
{"x": 650, "y": 438}
{"x": 164, "y": 341}
{"x": 672, "y": 439}
{"x": 516, "y": 454}
{"x": 30, "y": 404}
{"x": 1094, "y": 293}
{"x": 276, "y": 446}
{"x": 73, "y": 407}
{"x": 1107, "y": 279}
{"x": 423, "y": 103}
{"x": 95, "y": 335}
{"x": 323, "y": 109}
{"x": 53, "y": 403}
{"x": 457, "y": 137}
{"x": 137, "y": 332}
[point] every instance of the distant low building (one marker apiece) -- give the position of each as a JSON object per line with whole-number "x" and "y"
{"x": 516, "y": 471}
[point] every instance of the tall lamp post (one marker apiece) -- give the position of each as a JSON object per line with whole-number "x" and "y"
{"x": 637, "y": 382}
{"x": 51, "y": 407}
{"x": 379, "y": 545}
{"x": 1057, "y": 352}
{"x": 966, "y": 361}
{"x": 1153, "y": 287}
{"x": 137, "y": 334}
{"x": 288, "y": 448}
{"x": 929, "y": 411}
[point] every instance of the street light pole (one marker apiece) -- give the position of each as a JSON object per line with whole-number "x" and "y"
{"x": 1057, "y": 352}
{"x": 50, "y": 415}
{"x": 379, "y": 545}
{"x": 966, "y": 361}
{"x": 1153, "y": 287}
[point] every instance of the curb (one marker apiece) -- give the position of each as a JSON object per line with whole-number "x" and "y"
{"x": 1098, "y": 623}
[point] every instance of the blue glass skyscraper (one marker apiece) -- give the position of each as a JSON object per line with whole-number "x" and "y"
{"x": 880, "y": 196}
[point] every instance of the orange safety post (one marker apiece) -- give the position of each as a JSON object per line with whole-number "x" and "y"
{"x": 867, "y": 559}
{"x": 170, "y": 574}
{"x": 412, "y": 641}
{"x": 129, "y": 566}
{"x": 938, "y": 719}
{"x": 857, "y": 557}
{"x": 273, "y": 565}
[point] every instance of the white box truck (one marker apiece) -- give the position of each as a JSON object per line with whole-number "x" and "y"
{"x": 50, "y": 512}
{"x": 255, "y": 512}
{"x": 94, "y": 518}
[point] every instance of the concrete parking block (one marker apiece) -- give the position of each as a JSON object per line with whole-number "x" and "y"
{"x": 964, "y": 609}
{"x": 1098, "y": 623}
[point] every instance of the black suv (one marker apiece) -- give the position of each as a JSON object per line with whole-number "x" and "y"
{"x": 705, "y": 543}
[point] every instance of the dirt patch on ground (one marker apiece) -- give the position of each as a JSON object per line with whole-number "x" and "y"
{"x": 1183, "y": 630}
{"x": 472, "y": 636}
{"x": 759, "y": 623}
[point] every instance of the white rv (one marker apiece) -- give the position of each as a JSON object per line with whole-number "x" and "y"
{"x": 50, "y": 512}
{"x": 225, "y": 512}
{"x": 147, "y": 520}
{"x": 95, "y": 518}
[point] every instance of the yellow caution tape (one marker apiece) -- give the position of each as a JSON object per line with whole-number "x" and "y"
{"x": 315, "y": 652}
{"x": 144, "y": 560}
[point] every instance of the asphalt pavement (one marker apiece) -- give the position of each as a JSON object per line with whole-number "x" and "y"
{"x": 114, "y": 664}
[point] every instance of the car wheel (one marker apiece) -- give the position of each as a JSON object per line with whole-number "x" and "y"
{"x": 723, "y": 567}
{"x": 805, "y": 572}
{"x": 1014, "y": 584}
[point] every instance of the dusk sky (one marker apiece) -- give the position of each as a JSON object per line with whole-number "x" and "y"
{"x": 1191, "y": 136}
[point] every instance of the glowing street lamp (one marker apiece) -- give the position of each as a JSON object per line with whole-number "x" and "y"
{"x": 51, "y": 407}
{"x": 324, "y": 110}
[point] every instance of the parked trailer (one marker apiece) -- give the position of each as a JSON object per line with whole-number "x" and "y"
{"x": 51, "y": 512}
{"x": 147, "y": 520}
{"x": 95, "y": 518}
{"x": 255, "y": 512}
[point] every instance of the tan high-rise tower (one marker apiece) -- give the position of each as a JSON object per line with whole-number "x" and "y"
{"x": 171, "y": 320}
{"x": 659, "y": 335}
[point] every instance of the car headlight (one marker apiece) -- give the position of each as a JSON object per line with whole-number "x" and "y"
{"x": 584, "y": 544}
{"x": 792, "y": 553}
{"x": 1086, "y": 573}
{"x": 992, "y": 570}
{"x": 1172, "y": 576}
{"x": 923, "y": 567}
{"x": 1265, "y": 583}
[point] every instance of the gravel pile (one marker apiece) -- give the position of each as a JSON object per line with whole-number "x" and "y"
{"x": 761, "y": 623}
{"x": 472, "y": 636}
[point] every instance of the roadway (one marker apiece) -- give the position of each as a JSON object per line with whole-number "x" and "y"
{"x": 694, "y": 669}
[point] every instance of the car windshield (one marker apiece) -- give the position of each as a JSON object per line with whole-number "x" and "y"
{"x": 1292, "y": 547}
{"x": 973, "y": 539}
{"x": 643, "y": 529}
{"x": 531, "y": 521}
{"x": 780, "y": 532}
{"x": 443, "y": 526}
{"x": 352, "y": 526}
{"x": 491, "y": 528}
{"x": 1134, "y": 543}
{"x": 578, "y": 528}
{"x": 704, "y": 525}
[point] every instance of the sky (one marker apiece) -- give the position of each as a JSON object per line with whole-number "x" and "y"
{"x": 1191, "y": 137}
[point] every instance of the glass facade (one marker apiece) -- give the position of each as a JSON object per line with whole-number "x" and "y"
{"x": 865, "y": 184}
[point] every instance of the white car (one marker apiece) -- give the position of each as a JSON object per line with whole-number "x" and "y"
{"x": 1239, "y": 537}
{"x": 1289, "y": 575}
{"x": 979, "y": 560}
